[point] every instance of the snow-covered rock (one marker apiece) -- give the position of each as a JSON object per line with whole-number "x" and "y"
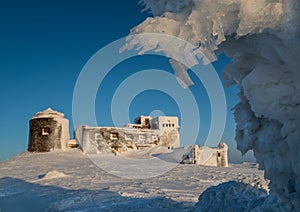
{"x": 231, "y": 196}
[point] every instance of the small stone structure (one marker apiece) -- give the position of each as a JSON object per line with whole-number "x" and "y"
{"x": 49, "y": 130}
{"x": 145, "y": 132}
{"x": 207, "y": 156}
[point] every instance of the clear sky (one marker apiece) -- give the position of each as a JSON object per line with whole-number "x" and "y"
{"x": 44, "y": 46}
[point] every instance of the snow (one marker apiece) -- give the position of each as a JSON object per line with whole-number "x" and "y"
{"x": 195, "y": 154}
{"x": 53, "y": 175}
{"x": 176, "y": 156}
{"x": 70, "y": 181}
{"x": 262, "y": 37}
{"x": 231, "y": 196}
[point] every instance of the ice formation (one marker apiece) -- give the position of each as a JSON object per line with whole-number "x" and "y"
{"x": 263, "y": 38}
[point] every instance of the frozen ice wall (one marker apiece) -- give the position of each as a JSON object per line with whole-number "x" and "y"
{"x": 263, "y": 39}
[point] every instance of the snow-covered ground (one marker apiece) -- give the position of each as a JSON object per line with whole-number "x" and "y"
{"x": 70, "y": 181}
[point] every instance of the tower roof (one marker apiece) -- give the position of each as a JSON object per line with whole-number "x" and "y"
{"x": 48, "y": 113}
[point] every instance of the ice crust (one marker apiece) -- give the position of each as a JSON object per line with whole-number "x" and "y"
{"x": 262, "y": 37}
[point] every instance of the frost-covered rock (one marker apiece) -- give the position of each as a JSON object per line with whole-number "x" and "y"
{"x": 231, "y": 196}
{"x": 262, "y": 37}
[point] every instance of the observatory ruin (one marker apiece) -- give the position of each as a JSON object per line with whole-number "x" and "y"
{"x": 49, "y": 130}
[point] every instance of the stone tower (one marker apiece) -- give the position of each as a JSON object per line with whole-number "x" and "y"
{"x": 49, "y": 130}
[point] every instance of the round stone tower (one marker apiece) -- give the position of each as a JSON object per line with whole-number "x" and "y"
{"x": 49, "y": 130}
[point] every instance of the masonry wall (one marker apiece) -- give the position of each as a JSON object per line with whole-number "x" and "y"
{"x": 211, "y": 156}
{"x": 105, "y": 139}
{"x": 169, "y": 138}
{"x": 168, "y": 127}
{"x": 65, "y": 132}
{"x": 44, "y": 143}
{"x": 207, "y": 156}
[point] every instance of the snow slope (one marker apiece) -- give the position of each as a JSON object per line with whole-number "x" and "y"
{"x": 70, "y": 181}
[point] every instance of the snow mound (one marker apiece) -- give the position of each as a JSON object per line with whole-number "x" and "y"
{"x": 177, "y": 155}
{"x": 53, "y": 175}
{"x": 231, "y": 196}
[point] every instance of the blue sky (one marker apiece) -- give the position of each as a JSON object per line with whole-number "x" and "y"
{"x": 44, "y": 46}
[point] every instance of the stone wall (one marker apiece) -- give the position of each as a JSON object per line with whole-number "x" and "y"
{"x": 106, "y": 139}
{"x": 44, "y": 142}
{"x": 217, "y": 156}
{"x": 49, "y": 130}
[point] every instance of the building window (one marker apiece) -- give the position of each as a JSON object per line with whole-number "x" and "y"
{"x": 142, "y": 137}
{"x": 147, "y": 122}
{"x": 173, "y": 125}
{"x": 154, "y": 137}
{"x": 45, "y": 131}
{"x": 114, "y": 136}
{"x": 163, "y": 125}
{"x": 153, "y": 126}
{"x": 128, "y": 137}
{"x": 98, "y": 136}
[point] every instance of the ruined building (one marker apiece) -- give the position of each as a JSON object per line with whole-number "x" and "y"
{"x": 145, "y": 132}
{"x": 48, "y": 130}
{"x": 207, "y": 156}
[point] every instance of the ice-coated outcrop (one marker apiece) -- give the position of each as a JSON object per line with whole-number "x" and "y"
{"x": 231, "y": 196}
{"x": 262, "y": 37}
